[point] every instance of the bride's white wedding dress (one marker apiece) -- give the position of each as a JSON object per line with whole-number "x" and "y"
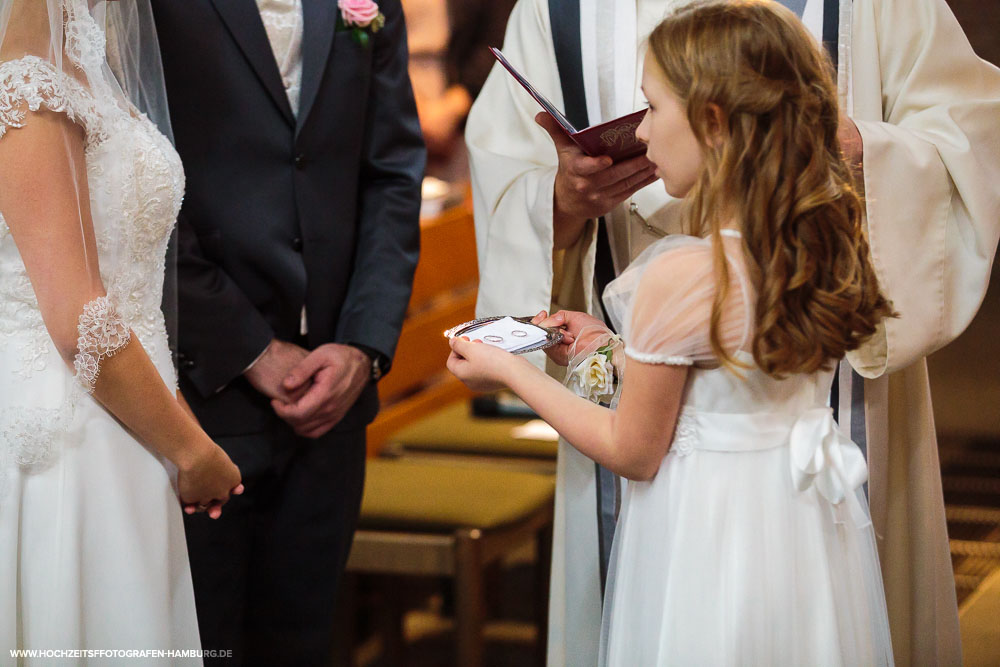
{"x": 92, "y": 548}
{"x": 752, "y": 545}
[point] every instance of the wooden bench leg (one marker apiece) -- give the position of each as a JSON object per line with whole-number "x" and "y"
{"x": 390, "y": 620}
{"x": 470, "y": 598}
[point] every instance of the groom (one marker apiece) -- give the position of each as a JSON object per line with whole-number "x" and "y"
{"x": 298, "y": 240}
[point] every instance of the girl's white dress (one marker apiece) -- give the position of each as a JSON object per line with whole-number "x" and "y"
{"x": 92, "y": 547}
{"x": 753, "y": 544}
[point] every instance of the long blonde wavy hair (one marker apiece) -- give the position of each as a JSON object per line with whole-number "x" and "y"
{"x": 776, "y": 165}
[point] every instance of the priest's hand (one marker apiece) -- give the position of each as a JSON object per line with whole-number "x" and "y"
{"x": 588, "y": 187}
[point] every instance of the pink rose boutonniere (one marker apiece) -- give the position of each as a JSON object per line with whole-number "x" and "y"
{"x": 361, "y": 17}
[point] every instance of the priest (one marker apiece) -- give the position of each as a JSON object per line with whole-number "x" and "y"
{"x": 553, "y": 226}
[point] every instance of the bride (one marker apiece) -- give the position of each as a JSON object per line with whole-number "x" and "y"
{"x": 96, "y": 446}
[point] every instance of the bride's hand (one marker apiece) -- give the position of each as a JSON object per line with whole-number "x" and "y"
{"x": 206, "y": 483}
{"x": 480, "y": 366}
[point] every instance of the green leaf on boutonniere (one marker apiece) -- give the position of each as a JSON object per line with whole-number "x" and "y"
{"x": 360, "y": 36}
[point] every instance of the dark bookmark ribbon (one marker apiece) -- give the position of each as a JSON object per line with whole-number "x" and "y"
{"x": 564, "y": 17}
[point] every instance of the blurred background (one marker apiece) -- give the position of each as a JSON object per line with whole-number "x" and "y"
{"x": 450, "y": 563}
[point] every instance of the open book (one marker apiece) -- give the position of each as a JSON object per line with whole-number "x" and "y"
{"x": 615, "y": 138}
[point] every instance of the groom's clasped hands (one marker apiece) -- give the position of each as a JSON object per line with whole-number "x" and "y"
{"x": 312, "y": 391}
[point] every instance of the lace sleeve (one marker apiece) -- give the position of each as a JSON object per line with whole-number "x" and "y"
{"x": 30, "y": 84}
{"x": 103, "y": 333}
{"x": 664, "y": 303}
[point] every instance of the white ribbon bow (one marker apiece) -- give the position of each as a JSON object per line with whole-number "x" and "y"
{"x": 822, "y": 456}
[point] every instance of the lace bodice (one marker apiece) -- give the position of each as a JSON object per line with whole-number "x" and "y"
{"x": 136, "y": 184}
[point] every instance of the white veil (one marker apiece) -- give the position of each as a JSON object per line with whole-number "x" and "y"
{"x": 110, "y": 45}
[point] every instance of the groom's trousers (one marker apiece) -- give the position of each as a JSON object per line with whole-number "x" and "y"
{"x": 266, "y": 573}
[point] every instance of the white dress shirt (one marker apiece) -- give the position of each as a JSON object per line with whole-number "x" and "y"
{"x": 283, "y": 23}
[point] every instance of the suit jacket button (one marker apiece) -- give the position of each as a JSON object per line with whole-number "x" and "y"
{"x": 187, "y": 364}
{"x": 297, "y": 244}
{"x": 300, "y": 161}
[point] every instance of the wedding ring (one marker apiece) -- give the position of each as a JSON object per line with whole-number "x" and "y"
{"x": 493, "y": 339}
{"x": 202, "y": 507}
{"x": 519, "y": 334}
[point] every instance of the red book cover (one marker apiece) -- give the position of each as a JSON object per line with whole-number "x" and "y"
{"x": 615, "y": 138}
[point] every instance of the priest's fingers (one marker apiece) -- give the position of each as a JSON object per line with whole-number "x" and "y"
{"x": 556, "y": 132}
{"x": 595, "y": 194}
{"x": 595, "y": 203}
{"x": 626, "y": 189}
{"x": 622, "y": 171}
{"x": 572, "y": 160}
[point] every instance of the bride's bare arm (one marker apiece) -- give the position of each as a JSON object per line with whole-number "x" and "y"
{"x": 45, "y": 201}
{"x": 630, "y": 441}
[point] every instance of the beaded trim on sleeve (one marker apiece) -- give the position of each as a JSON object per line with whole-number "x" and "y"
{"x": 644, "y": 358}
{"x": 103, "y": 333}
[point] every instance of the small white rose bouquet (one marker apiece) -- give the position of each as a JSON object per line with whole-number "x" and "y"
{"x": 595, "y": 377}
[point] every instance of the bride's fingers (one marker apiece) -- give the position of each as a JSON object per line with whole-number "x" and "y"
{"x": 238, "y": 491}
{"x": 215, "y": 507}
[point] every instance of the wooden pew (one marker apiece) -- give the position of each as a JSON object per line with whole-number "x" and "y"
{"x": 444, "y": 294}
{"x": 426, "y": 520}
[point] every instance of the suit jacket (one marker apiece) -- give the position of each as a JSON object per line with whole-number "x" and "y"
{"x": 321, "y": 211}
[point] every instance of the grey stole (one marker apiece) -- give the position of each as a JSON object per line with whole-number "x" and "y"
{"x": 564, "y": 17}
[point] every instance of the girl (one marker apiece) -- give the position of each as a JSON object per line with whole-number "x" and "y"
{"x": 744, "y": 536}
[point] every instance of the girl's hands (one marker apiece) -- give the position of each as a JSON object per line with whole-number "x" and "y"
{"x": 579, "y": 329}
{"x": 206, "y": 484}
{"x": 481, "y": 367}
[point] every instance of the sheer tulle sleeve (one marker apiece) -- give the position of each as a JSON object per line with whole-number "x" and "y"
{"x": 662, "y": 304}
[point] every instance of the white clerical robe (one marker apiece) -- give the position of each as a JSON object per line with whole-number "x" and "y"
{"x": 927, "y": 110}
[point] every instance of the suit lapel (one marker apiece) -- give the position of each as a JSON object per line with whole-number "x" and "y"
{"x": 319, "y": 19}
{"x": 243, "y": 20}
